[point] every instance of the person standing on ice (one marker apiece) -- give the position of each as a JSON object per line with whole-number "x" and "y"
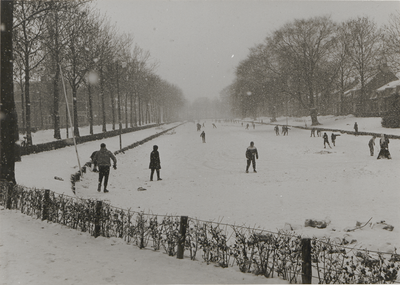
{"x": 251, "y": 155}
{"x": 326, "y": 140}
{"x": 276, "y": 130}
{"x": 203, "y": 136}
{"x": 102, "y": 159}
{"x": 384, "y": 152}
{"x": 333, "y": 138}
{"x": 356, "y": 128}
{"x": 313, "y": 132}
{"x": 155, "y": 164}
{"x": 371, "y": 145}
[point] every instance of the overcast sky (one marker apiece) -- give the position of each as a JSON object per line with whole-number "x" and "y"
{"x": 199, "y": 43}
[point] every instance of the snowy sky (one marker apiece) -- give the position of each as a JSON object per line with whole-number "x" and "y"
{"x": 199, "y": 43}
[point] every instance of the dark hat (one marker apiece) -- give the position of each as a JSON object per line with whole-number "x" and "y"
{"x": 103, "y": 145}
{"x": 155, "y": 147}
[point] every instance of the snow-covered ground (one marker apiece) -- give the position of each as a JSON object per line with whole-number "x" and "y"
{"x": 297, "y": 179}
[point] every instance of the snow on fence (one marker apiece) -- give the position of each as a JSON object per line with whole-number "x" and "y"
{"x": 272, "y": 254}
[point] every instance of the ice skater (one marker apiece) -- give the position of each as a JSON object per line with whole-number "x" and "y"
{"x": 155, "y": 164}
{"x": 326, "y": 140}
{"x": 371, "y": 145}
{"x": 214, "y": 126}
{"x": 356, "y": 128}
{"x": 203, "y": 136}
{"x": 384, "y": 152}
{"x": 251, "y": 155}
{"x": 276, "y": 130}
{"x": 312, "y": 133}
{"x": 102, "y": 159}
{"x": 318, "y": 133}
{"x": 333, "y": 138}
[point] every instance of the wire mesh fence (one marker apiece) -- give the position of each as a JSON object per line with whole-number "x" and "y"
{"x": 271, "y": 254}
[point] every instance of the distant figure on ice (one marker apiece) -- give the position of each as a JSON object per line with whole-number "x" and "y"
{"x": 93, "y": 162}
{"x": 318, "y": 132}
{"x": 203, "y": 136}
{"x": 384, "y": 152}
{"x": 102, "y": 159}
{"x": 247, "y": 126}
{"x": 371, "y": 145}
{"x": 312, "y": 133}
{"x": 356, "y": 128}
{"x": 214, "y": 126}
{"x": 326, "y": 140}
{"x": 155, "y": 164}
{"x": 333, "y": 138}
{"x": 276, "y": 130}
{"x": 198, "y": 127}
{"x": 251, "y": 155}
{"x": 285, "y": 130}
{"x": 203, "y": 125}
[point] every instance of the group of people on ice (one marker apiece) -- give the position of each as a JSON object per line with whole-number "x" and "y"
{"x": 285, "y": 130}
{"x": 101, "y": 160}
{"x": 384, "y": 147}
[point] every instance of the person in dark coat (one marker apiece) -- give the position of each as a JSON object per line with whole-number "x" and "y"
{"x": 371, "y": 145}
{"x": 276, "y": 130}
{"x": 312, "y": 132}
{"x": 326, "y": 140}
{"x": 251, "y": 155}
{"x": 102, "y": 159}
{"x": 333, "y": 138}
{"x": 93, "y": 162}
{"x": 203, "y": 136}
{"x": 384, "y": 152}
{"x": 155, "y": 164}
{"x": 356, "y": 128}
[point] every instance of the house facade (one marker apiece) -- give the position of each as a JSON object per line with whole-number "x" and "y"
{"x": 373, "y": 102}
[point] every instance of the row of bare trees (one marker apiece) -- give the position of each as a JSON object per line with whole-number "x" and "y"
{"x": 103, "y": 69}
{"x": 305, "y": 62}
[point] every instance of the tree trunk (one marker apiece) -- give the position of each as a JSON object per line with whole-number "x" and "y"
{"x": 112, "y": 110}
{"x": 75, "y": 107}
{"x": 126, "y": 110}
{"x": 140, "y": 113}
{"x": 103, "y": 107}
{"x": 90, "y": 110}
{"x": 8, "y": 125}
{"x": 28, "y": 104}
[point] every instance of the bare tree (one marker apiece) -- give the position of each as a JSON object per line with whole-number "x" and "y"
{"x": 28, "y": 32}
{"x": 392, "y": 41}
{"x": 303, "y": 48}
{"x": 77, "y": 61}
{"x": 8, "y": 123}
{"x": 364, "y": 50}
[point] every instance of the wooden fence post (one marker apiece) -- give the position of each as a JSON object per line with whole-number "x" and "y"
{"x": 306, "y": 254}
{"x": 46, "y": 203}
{"x": 97, "y": 218}
{"x": 182, "y": 234}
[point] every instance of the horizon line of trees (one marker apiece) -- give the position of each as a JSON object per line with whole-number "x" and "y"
{"x": 307, "y": 62}
{"x": 56, "y": 41}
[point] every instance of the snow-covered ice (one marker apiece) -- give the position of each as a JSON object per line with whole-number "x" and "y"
{"x": 297, "y": 179}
